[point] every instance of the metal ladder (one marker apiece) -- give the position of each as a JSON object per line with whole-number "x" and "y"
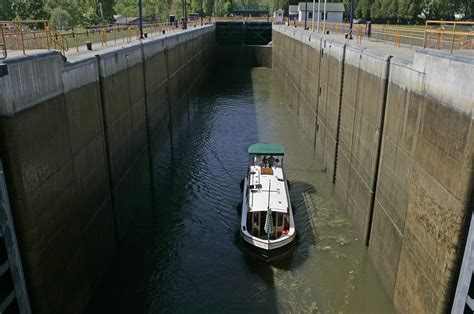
{"x": 464, "y": 297}
{"x": 13, "y": 293}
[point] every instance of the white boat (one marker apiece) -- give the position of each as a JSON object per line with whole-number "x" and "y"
{"x": 267, "y": 224}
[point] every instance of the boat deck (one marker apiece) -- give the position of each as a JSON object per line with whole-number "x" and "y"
{"x": 264, "y": 181}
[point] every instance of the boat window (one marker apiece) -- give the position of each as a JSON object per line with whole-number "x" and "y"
{"x": 279, "y": 225}
{"x": 263, "y": 217}
{"x": 255, "y": 224}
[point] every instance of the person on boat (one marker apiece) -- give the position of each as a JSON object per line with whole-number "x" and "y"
{"x": 271, "y": 161}
{"x": 264, "y": 161}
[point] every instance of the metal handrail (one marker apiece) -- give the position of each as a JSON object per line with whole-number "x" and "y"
{"x": 449, "y": 35}
{"x": 439, "y": 38}
{"x": 39, "y": 34}
{"x": 3, "y": 43}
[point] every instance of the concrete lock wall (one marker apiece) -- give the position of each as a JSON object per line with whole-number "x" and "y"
{"x": 71, "y": 134}
{"x": 396, "y": 138}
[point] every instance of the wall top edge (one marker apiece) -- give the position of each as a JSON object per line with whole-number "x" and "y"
{"x": 71, "y": 65}
{"x": 36, "y": 56}
{"x": 334, "y": 42}
{"x": 401, "y": 62}
{"x": 115, "y": 50}
{"x": 376, "y": 54}
{"x": 445, "y": 55}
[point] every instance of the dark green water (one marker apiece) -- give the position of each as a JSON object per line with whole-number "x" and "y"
{"x": 182, "y": 255}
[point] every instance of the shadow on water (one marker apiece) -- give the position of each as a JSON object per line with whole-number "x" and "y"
{"x": 179, "y": 255}
{"x": 182, "y": 253}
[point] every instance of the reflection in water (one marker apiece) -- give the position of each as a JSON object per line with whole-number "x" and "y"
{"x": 183, "y": 253}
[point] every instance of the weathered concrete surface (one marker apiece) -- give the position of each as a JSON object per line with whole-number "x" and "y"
{"x": 397, "y": 138}
{"x": 362, "y": 110}
{"x": 311, "y": 71}
{"x": 440, "y": 184}
{"x": 71, "y": 135}
{"x": 402, "y": 119}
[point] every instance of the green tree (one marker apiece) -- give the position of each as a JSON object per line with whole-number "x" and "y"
{"x": 6, "y": 12}
{"x": 393, "y": 11}
{"x": 466, "y": 7}
{"x": 407, "y": 10}
{"x": 126, "y": 7}
{"x": 72, "y": 8}
{"x": 60, "y": 18}
{"x": 29, "y": 10}
{"x": 363, "y": 8}
{"x": 436, "y": 9}
{"x": 376, "y": 11}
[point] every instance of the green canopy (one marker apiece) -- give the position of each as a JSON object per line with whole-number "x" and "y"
{"x": 266, "y": 149}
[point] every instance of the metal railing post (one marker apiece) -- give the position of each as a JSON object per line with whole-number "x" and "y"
{"x": 4, "y": 43}
{"x": 424, "y": 39}
{"x": 452, "y": 37}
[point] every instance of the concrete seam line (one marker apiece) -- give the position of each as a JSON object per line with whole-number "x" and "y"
{"x": 379, "y": 150}
{"x": 147, "y": 118}
{"x": 318, "y": 92}
{"x": 353, "y": 127}
{"x": 338, "y": 128}
{"x": 106, "y": 144}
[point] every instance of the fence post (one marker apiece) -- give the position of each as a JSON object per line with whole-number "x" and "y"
{"x": 424, "y": 38}
{"x": 452, "y": 37}
{"x": 76, "y": 40}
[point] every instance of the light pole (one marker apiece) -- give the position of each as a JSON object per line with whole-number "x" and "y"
{"x": 319, "y": 14}
{"x": 324, "y": 17}
{"x": 306, "y": 15}
{"x": 351, "y": 17}
{"x": 312, "y": 25}
{"x": 183, "y": 3}
{"x": 141, "y": 18}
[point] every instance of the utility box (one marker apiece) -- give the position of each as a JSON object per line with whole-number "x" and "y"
{"x": 278, "y": 16}
{"x": 171, "y": 19}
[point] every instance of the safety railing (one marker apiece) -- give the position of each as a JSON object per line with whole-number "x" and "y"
{"x": 449, "y": 35}
{"x": 398, "y": 36}
{"x": 33, "y": 35}
{"x": 441, "y": 35}
{"x": 28, "y": 35}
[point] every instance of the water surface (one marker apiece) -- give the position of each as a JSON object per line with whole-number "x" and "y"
{"x": 183, "y": 253}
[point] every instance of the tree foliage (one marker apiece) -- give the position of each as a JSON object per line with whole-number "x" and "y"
{"x": 60, "y": 18}
{"x": 29, "y": 10}
{"x": 6, "y": 12}
{"x": 93, "y": 12}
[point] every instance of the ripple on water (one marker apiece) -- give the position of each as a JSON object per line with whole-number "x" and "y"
{"x": 186, "y": 243}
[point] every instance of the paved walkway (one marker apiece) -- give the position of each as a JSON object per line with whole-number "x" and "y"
{"x": 388, "y": 48}
{"x": 75, "y": 54}
{"x": 404, "y": 51}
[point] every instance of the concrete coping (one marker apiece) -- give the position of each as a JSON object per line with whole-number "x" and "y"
{"x": 402, "y": 62}
{"x": 22, "y": 58}
{"x": 448, "y": 79}
{"x": 445, "y": 55}
{"x": 29, "y": 80}
{"x": 402, "y": 74}
{"x": 151, "y": 48}
{"x": 80, "y": 73}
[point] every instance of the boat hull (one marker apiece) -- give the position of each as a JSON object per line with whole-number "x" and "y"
{"x": 267, "y": 250}
{"x": 272, "y": 255}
